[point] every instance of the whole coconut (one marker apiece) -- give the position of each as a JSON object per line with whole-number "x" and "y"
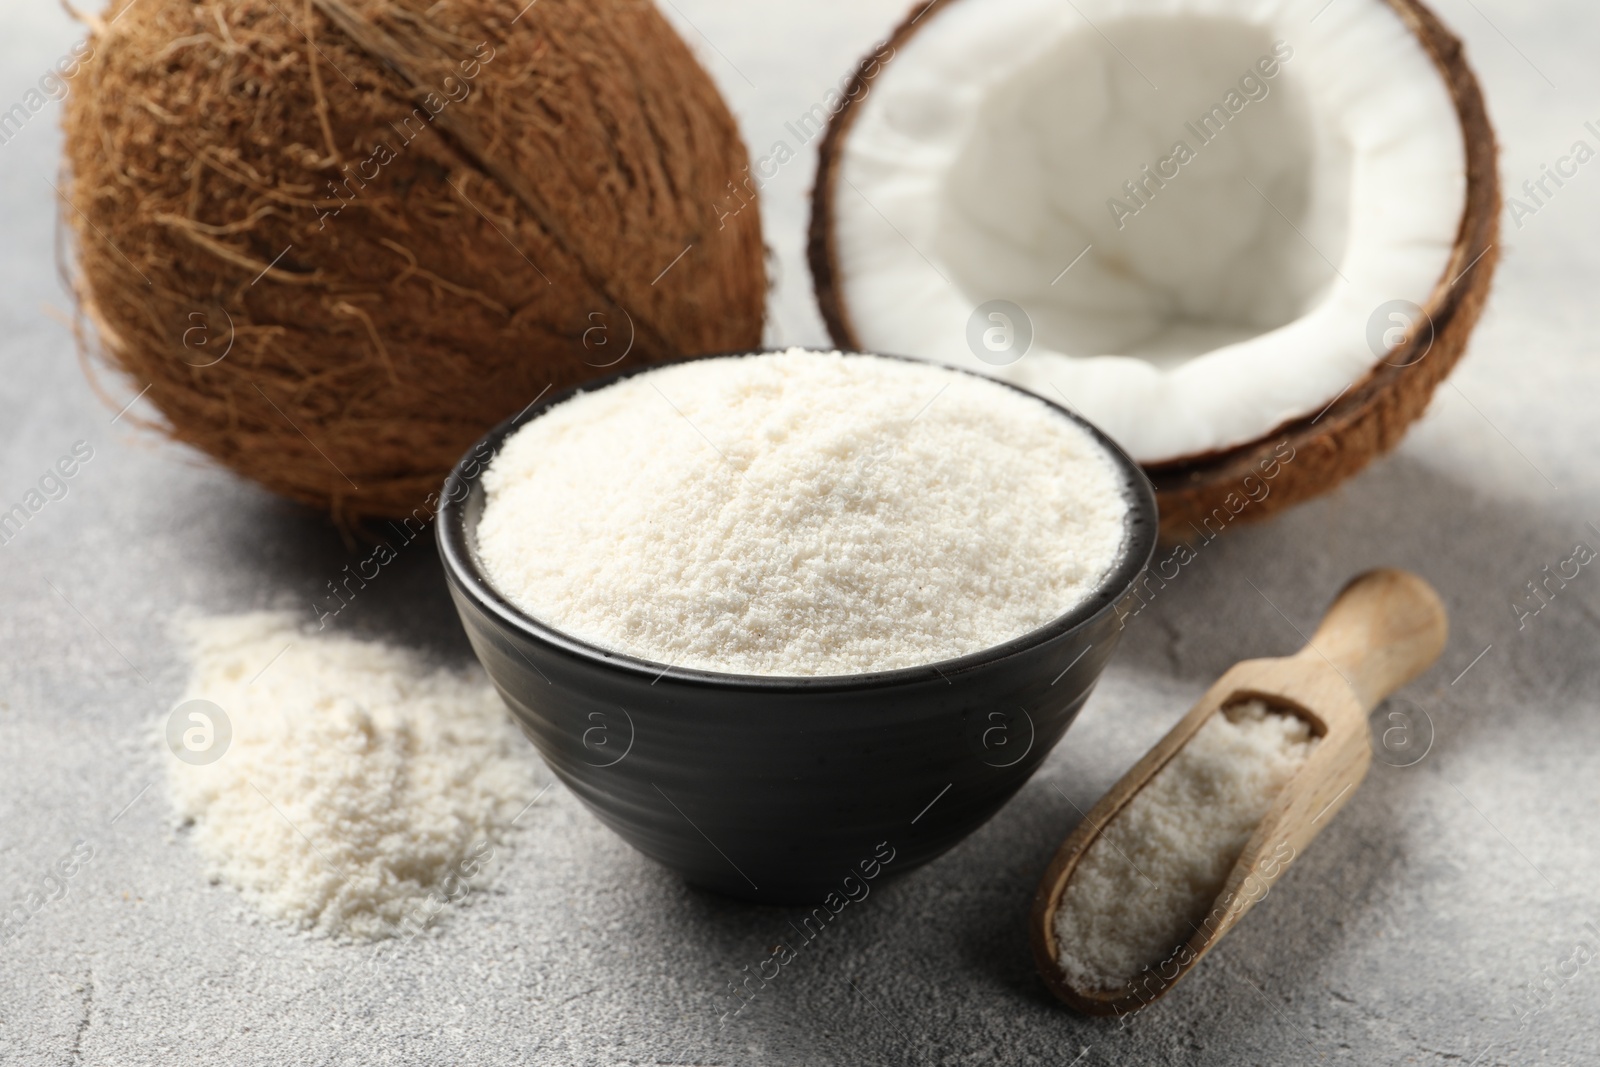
{"x": 339, "y": 239}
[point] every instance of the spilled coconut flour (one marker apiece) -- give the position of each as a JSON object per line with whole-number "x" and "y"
{"x": 359, "y": 782}
{"x": 1183, "y": 832}
{"x": 801, "y": 513}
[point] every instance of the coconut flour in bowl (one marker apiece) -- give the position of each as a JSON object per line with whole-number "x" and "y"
{"x": 801, "y": 514}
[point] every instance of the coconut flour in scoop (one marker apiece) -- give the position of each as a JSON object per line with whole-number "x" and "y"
{"x": 1151, "y": 879}
{"x": 800, "y": 513}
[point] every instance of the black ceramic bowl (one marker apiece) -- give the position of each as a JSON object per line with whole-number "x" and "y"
{"x": 785, "y": 789}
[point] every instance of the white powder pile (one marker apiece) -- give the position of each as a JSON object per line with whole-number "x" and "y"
{"x": 358, "y": 781}
{"x": 800, "y": 514}
{"x": 1155, "y": 872}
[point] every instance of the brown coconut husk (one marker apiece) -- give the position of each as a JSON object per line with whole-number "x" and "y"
{"x": 407, "y": 218}
{"x": 1200, "y": 495}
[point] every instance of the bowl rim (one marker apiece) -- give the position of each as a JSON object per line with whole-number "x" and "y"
{"x": 1141, "y": 522}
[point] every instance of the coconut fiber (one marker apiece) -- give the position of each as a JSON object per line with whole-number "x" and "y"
{"x": 339, "y": 239}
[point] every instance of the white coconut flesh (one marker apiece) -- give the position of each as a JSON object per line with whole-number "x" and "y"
{"x": 1305, "y": 173}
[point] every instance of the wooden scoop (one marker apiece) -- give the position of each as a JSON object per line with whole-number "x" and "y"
{"x": 1383, "y": 630}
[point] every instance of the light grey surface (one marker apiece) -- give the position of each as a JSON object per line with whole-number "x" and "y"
{"x": 1398, "y": 938}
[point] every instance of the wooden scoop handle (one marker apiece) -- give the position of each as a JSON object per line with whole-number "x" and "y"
{"x": 1383, "y": 630}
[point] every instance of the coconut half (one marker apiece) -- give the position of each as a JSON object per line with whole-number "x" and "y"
{"x": 1245, "y": 237}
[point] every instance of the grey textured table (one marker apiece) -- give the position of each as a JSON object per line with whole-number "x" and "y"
{"x": 1399, "y": 938}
